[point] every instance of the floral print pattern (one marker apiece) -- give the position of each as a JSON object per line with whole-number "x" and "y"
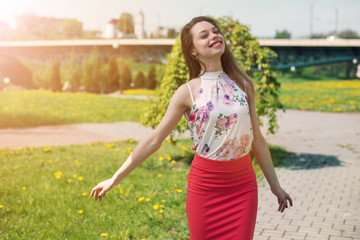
{"x": 219, "y": 120}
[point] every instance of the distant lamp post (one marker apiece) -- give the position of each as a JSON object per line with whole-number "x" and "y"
{"x": 354, "y": 61}
{"x": 6, "y": 80}
{"x": 115, "y": 45}
{"x": 292, "y": 68}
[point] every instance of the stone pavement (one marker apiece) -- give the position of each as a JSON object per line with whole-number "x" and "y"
{"x": 321, "y": 173}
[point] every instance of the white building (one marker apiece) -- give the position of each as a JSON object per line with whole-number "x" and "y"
{"x": 139, "y": 25}
{"x": 110, "y": 30}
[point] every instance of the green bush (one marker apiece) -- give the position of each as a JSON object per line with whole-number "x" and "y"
{"x": 139, "y": 80}
{"x": 126, "y": 77}
{"x": 151, "y": 78}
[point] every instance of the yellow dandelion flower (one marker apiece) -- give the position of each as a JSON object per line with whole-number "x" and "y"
{"x": 80, "y": 178}
{"x": 161, "y": 158}
{"x": 175, "y": 185}
{"x": 69, "y": 180}
{"x": 182, "y": 155}
{"x": 186, "y": 173}
{"x": 46, "y": 149}
{"x": 147, "y": 199}
{"x": 161, "y": 211}
{"x": 156, "y": 207}
{"x": 140, "y": 199}
{"x": 173, "y": 161}
{"x": 109, "y": 145}
{"x": 77, "y": 162}
{"x": 58, "y": 174}
{"x": 143, "y": 239}
{"x": 131, "y": 140}
{"x": 50, "y": 161}
{"x": 24, "y": 188}
{"x": 159, "y": 175}
{"x": 116, "y": 140}
{"x": 142, "y": 211}
{"x": 168, "y": 140}
{"x": 75, "y": 176}
{"x": 104, "y": 234}
{"x": 81, "y": 211}
{"x": 178, "y": 190}
{"x": 83, "y": 194}
{"x": 169, "y": 158}
{"x": 184, "y": 148}
{"x": 167, "y": 191}
{"x": 89, "y": 144}
{"x": 121, "y": 191}
{"x": 97, "y": 214}
{"x": 1, "y": 206}
{"x": 112, "y": 236}
{"x": 163, "y": 201}
{"x": 162, "y": 206}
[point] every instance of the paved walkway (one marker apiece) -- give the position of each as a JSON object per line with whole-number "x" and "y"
{"x": 322, "y": 171}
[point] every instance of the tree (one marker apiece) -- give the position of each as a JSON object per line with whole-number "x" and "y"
{"x": 151, "y": 78}
{"x": 348, "y": 34}
{"x": 113, "y": 74}
{"x": 55, "y": 79}
{"x": 70, "y": 28}
{"x": 139, "y": 80}
{"x": 71, "y": 72}
{"x": 284, "y": 34}
{"x": 91, "y": 73}
{"x": 255, "y": 60}
{"x": 126, "y": 23}
{"x": 126, "y": 77}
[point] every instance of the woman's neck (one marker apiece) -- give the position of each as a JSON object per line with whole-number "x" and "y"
{"x": 212, "y": 66}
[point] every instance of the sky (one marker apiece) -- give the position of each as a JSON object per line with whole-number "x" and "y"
{"x": 264, "y": 17}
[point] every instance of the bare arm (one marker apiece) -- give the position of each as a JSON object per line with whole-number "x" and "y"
{"x": 150, "y": 143}
{"x": 263, "y": 157}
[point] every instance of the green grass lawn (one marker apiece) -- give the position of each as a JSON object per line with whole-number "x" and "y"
{"x": 44, "y": 192}
{"x": 37, "y": 108}
{"x": 321, "y": 95}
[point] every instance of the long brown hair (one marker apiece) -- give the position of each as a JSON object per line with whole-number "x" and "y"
{"x": 228, "y": 61}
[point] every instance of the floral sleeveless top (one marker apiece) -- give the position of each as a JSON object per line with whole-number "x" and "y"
{"x": 219, "y": 121}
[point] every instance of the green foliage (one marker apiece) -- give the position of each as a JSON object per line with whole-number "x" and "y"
{"x": 42, "y": 76}
{"x": 176, "y": 74}
{"x": 348, "y": 34}
{"x": 256, "y": 62}
{"x": 284, "y": 34}
{"x": 91, "y": 72}
{"x": 126, "y": 23}
{"x": 246, "y": 49}
{"x": 151, "y": 78}
{"x": 113, "y": 75}
{"x": 139, "y": 81}
{"x": 126, "y": 77}
{"x": 71, "y": 73}
{"x": 55, "y": 79}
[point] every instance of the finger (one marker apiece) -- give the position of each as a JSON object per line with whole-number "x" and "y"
{"x": 290, "y": 200}
{"x": 97, "y": 194}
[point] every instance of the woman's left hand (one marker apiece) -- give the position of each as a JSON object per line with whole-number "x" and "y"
{"x": 283, "y": 198}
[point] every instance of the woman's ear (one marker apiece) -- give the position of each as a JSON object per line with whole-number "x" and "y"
{"x": 194, "y": 53}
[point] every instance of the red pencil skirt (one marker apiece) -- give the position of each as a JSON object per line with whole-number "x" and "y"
{"x": 222, "y": 199}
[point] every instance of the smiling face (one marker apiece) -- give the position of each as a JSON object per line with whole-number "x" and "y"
{"x": 208, "y": 41}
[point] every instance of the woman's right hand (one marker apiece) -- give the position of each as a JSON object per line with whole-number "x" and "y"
{"x": 100, "y": 190}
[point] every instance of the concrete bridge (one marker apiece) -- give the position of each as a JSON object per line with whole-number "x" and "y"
{"x": 291, "y": 53}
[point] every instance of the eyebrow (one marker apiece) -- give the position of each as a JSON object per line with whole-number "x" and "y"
{"x": 207, "y": 30}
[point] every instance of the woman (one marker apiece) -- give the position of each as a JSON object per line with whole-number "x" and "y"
{"x": 219, "y": 106}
